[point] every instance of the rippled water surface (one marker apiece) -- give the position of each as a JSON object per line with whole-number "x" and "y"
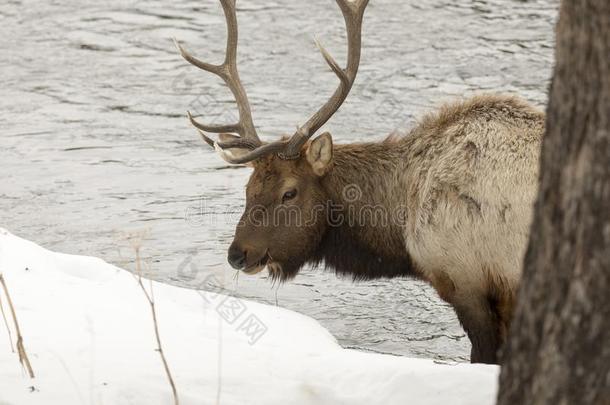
{"x": 95, "y": 140}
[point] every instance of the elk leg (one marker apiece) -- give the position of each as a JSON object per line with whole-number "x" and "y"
{"x": 482, "y": 327}
{"x": 503, "y": 309}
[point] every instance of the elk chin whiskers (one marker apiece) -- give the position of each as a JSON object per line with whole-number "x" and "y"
{"x": 252, "y": 270}
{"x": 275, "y": 269}
{"x": 258, "y": 266}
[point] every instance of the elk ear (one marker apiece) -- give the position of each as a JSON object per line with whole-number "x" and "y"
{"x": 232, "y": 152}
{"x": 320, "y": 153}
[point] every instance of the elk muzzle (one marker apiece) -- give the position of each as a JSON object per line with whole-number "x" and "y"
{"x": 236, "y": 257}
{"x": 247, "y": 261}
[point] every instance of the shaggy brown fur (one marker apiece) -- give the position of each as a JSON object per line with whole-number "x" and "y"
{"x": 457, "y": 192}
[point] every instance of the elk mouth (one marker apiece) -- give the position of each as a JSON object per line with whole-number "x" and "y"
{"x": 258, "y": 266}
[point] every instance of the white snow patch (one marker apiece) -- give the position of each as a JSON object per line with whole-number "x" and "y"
{"x": 88, "y": 331}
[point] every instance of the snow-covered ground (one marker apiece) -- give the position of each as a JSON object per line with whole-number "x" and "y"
{"x": 88, "y": 331}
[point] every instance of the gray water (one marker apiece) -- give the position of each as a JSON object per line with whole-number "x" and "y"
{"x": 95, "y": 139}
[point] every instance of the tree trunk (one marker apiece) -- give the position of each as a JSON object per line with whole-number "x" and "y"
{"x": 559, "y": 346}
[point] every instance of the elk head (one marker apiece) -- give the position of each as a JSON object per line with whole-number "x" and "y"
{"x": 286, "y": 205}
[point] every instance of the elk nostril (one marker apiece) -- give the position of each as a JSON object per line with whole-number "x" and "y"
{"x": 236, "y": 257}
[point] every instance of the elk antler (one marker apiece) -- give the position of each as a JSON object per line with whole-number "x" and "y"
{"x": 227, "y": 71}
{"x": 353, "y": 12}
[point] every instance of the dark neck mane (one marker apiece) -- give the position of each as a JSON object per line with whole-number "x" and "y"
{"x": 365, "y": 238}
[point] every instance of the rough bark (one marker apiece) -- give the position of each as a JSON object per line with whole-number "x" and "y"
{"x": 559, "y": 345}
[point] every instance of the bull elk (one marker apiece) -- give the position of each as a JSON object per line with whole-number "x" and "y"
{"x": 464, "y": 179}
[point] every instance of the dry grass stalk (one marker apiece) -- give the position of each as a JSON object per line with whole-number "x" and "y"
{"x": 8, "y": 329}
{"x": 23, "y": 356}
{"x": 135, "y": 239}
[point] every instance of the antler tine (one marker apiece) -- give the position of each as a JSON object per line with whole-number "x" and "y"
{"x": 266, "y": 149}
{"x": 227, "y": 71}
{"x": 353, "y": 12}
{"x": 237, "y": 143}
{"x": 212, "y": 128}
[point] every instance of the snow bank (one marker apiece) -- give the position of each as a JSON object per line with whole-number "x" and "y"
{"x": 88, "y": 331}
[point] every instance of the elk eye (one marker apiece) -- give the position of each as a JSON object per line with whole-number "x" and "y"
{"x": 289, "y": 195}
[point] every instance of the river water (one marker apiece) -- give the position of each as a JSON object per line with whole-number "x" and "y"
{"x": 95, "y": 141}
